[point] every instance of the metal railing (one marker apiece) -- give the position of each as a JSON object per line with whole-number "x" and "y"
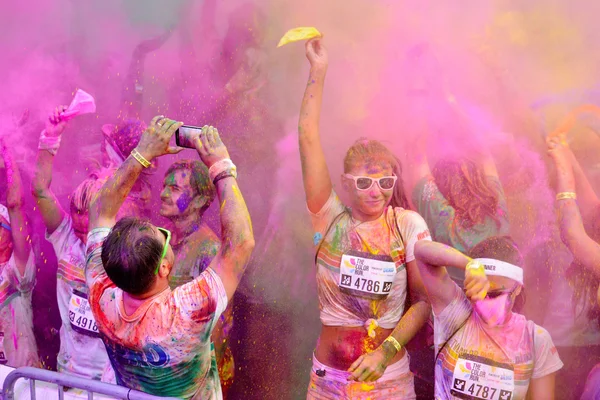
{"x": 70, "y": 381}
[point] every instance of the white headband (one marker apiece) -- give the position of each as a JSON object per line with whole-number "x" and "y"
{"x": 501, "y": 268}
{"x": 4, "y": 213}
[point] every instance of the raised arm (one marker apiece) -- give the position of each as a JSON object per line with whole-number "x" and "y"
{"x": 480, "y": 153}
{"x": 588, "y": 199}
{"x": 417, "y": 164}
{"x": 133, "y": 88}
{"x": 421, "y": 92}
{"x": 433, "y": 258}
{"x": 483, "y": 157}
{"x": 237, "y": 240}
{"x": 52, "y": 212}
{"x": 15, "y": 204}
{"x": 153, "y": 143}
{"x": 572, "y": 231}
{"x": 317, "y": 182}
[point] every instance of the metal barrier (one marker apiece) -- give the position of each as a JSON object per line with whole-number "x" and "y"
{"x": 65, "y": 380}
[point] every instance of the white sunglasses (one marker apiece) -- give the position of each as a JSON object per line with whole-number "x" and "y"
{"x": 365, "y": 183}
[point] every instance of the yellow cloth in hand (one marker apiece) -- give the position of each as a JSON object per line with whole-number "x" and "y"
{"x": 297, "y": 34}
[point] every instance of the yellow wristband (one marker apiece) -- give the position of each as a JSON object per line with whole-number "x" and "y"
{"x": 136, "y": 154}
{"x": 394, "y": 343}
{"x": 566, "y": 195}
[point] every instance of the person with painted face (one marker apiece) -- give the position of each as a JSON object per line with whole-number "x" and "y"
{"x": 187, "y": 193}
{"x": 365, "y": 262}
{"x": 158, "y": 339}
{"x": 17, "y": 273}
{"x": 484, "y": 348}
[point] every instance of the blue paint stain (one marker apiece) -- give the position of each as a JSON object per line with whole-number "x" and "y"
{"x": 317, "y": 238}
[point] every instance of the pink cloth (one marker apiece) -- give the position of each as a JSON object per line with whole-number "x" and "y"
{"x": 83, "y": 103}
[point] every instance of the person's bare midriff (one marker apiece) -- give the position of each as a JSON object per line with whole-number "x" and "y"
{"x": 339, "y": 346}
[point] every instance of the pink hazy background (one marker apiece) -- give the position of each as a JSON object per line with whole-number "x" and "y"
{"x": 516, "y": 67}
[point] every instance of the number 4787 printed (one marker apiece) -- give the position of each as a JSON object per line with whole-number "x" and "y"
{"x": 479, "y": 392}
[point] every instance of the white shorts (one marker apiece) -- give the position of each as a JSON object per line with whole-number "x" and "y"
{"x": 397, "y": 382}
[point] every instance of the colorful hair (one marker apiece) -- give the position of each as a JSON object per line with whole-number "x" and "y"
{"x": 83, "y": 195}
{"x": 199, "y": 178}
{"x": 128, "y": 135}
{"x": 468, "y": 191}
{"x": 130, "y": 255}
{"x": 365, "y": 151}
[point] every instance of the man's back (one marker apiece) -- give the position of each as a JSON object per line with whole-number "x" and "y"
{"x": 163, "y": 347}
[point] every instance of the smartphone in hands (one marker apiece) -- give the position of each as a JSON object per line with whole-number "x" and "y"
{"x": 186, "y": 136}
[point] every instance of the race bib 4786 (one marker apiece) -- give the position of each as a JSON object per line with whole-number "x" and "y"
{"x": 367, "y": 277}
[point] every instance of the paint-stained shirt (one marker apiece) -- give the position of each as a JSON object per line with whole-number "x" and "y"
{"x": 82, "y": 352}
{"x": 444, "y": 226}
{"x": 390, "y": 238}
{"x": 164, "y": 347}
{"x": 477, "y": 361}
{"x": 17, "y": 342}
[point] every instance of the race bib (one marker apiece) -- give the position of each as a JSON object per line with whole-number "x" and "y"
{"x": 367, "y": 275}
{"x": 480, "y": 378}
{"x": 80, "y": 315}
{"x": 3, "y": 359}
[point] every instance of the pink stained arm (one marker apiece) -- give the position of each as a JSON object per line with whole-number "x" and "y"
{"x": 432, "y": 259}
{"x": 542, "y": 388}
{"x": 315, "y": 174}
{"x": 15, "y": 205}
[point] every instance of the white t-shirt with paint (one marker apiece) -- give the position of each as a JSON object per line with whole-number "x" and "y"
{"x": 476, "y": 361}
{"x": 82, "y": 352}
{"x": 17, "y": 342}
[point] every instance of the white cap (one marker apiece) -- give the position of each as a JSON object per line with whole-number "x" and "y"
{"x": 501, "y": 268}
{"x": 4, "y": 213}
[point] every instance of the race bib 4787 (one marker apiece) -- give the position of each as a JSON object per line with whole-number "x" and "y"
{"x": 479, "y": 378}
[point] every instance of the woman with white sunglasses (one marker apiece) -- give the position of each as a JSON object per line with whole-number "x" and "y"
{"x": 365, "y": 262}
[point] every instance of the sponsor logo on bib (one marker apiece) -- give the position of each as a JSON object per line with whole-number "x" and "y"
{"x": 80, "y": 315}
{"x": 365, "y": 276}
{"x": 479, "y": 378}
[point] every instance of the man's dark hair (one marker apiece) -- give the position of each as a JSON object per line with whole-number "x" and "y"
{"x": 199, "y": 179}
{"x": 130, "y": 255}
{"x": 502, "y": 248}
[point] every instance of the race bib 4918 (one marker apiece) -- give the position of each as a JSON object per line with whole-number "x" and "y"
{"x": 80, "y": 315}
{"x": 367, "y": 276}
{"x": 3, "y": 359}
{"x": 479, "y": 378}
